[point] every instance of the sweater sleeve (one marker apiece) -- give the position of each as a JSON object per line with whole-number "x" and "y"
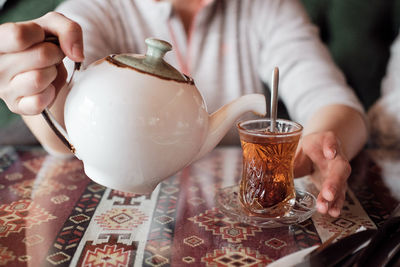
{"x": 309, "y": 79}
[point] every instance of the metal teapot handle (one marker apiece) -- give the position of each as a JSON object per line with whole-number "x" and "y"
{"x": 57, "y": 129}
{"x": 51, "y": 121}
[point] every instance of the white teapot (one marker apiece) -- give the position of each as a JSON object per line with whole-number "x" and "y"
{"x": 134, "y": 120}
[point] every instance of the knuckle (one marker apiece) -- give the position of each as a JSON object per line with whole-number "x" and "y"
{"x": 68, "y": 24}
{"x": 346, "y": 168}
{"x": 42, "y": 78}
{"x": 21, "y": 34}
{"x": 39, "y": 103}
{"x": 332, "y": 187}
{"x": 72, "y": 26}
{"x": 37, "y": 80}
{"x": 43, "y": 54}
{"x": 52, "y": 15}
{"x": 17, "y": 34}
{"x": 349, "y": 169}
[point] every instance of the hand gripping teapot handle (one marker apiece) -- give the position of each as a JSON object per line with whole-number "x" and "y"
{"x": 51, "y": 121}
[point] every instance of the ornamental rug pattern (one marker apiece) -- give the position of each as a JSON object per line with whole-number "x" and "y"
{"x": 121, "y": 219}
{"x": 37, "y": 194}
{"x": 51, "y": 214}
{"x": 21, "y": 214}
{"x": 6, "y": 256}
{"x": 244, "y": 257}
{"x": 117, "y": 231}
{"x": 219, "y": 224}
{"x": 110, "y": 253}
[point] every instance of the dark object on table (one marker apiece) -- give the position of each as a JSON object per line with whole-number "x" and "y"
{"x": 375, "y": 248}
{"x": 384, "y": 248}
{"x": 339, "y": 251}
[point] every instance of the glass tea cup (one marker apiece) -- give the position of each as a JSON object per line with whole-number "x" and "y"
{"x": 267, "y": 185}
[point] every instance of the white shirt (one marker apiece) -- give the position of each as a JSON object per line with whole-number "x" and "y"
{"x": 384, "y": 115}
{"x": 231, "y": 50}
{"x": 2, "y": 2}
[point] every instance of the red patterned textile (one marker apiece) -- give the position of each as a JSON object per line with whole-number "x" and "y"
{"x": 52, "y": 214}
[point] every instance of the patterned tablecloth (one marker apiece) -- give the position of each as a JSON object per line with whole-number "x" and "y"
{"x": 51, "y": 214}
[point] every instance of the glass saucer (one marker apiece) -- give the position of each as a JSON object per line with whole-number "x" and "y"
{"x": 228, "y": 202}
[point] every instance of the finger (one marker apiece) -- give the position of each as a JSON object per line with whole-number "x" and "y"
{"x": 68, "y": 32}
{"x": 313, "y": 148}
{"x": 330, "y": 146}
{"x": 19, "y": 36}
{"x": 336, "y": 176}
{"x": 32, "y": 82}
{"x": 322, "y": 205}
{"x": 32, "y": 105}
{"x": 39, "y": 56}
{"x": 329, "y": 190}
{"x": 60, "y": 80}
{"x": 337, "y": 205}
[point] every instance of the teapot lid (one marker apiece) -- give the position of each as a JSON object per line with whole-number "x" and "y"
{"x": 153, "y": 62}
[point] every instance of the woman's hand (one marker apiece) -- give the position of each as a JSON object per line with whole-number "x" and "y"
{"x": 320, "y": 155}
{"x": 31, "y": 70}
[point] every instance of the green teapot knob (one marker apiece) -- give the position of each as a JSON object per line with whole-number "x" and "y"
{"x": 157, "y": 48}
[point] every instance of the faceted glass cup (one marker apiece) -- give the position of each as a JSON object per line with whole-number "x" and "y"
{"x": 267, "y": 185}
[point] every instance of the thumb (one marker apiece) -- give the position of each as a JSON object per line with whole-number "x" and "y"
{"x": 68, "y": 32}
{"x": 302, "y": 164}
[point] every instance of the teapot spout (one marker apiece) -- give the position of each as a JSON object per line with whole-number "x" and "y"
{"x": 221, "y": 120}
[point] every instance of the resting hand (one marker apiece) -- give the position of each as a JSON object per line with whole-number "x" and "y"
{"x": 320, "y": 155}
{"x": 31, "y": 70}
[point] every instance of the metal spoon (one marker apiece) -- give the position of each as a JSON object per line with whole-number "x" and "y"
{"x": 274, "y": 98}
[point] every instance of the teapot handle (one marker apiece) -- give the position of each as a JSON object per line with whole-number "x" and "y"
{"x": 49, "y": 118}
{"x": 58, "y": 129}
{"x": 52, "y": 122}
